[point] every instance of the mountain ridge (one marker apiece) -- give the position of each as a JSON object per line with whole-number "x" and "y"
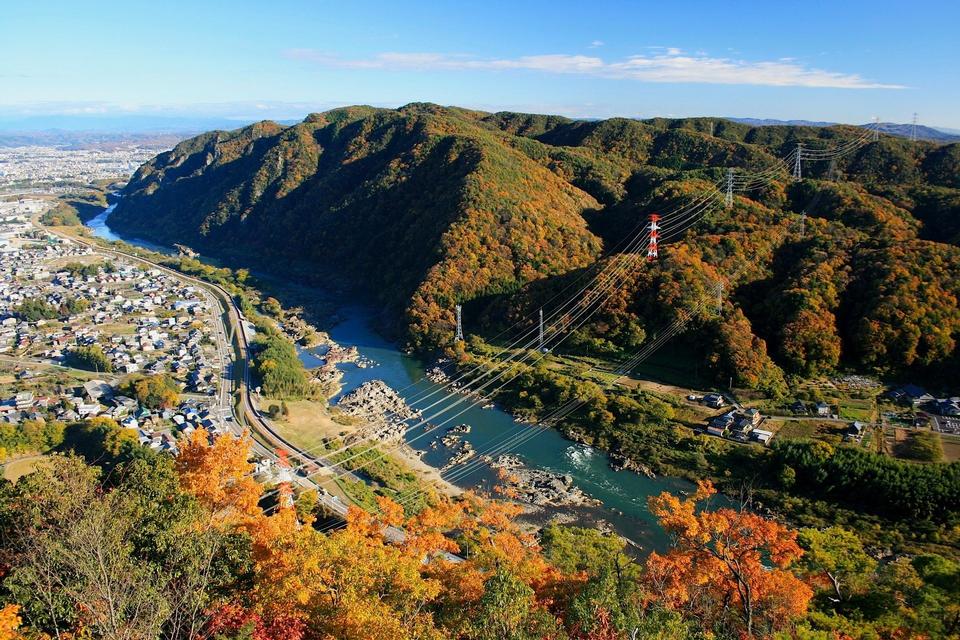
{"x": 427, "y": 207}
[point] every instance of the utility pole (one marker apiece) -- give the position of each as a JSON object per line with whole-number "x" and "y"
{"x": 913, "y": 129}
{"x": 797, "y": 168}
{"x": 652, "y": 252}
{"x": 541, "y": 329}
{"x": 459, "y": 335}
{"x": 728, "y": 198}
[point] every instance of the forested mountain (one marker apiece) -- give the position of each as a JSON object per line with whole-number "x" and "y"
{"x": 426, "y": 207}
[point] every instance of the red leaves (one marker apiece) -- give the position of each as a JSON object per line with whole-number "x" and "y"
{"x": 232, "y": 619}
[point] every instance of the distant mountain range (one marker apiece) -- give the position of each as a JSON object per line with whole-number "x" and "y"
{"x": 107, "y": 132}
{"x": 85, "y": 131}
{"x": 91, "y": 139}
{"x": 903, "y": 130}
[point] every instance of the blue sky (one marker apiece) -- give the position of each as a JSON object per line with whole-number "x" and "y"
{"x": 839, "y": 61}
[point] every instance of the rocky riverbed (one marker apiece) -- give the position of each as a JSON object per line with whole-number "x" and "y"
{"x": 538, "y": 486}
{"x": 376, "y": 404}
{"x": 619, "y": 462}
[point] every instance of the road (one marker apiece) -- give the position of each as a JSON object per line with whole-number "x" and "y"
{"x": 231, "y": 382}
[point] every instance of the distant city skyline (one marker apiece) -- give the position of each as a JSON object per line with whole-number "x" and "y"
{"x": 245, "y": 61}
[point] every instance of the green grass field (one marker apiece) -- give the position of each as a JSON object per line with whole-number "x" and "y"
{"x": 855, "y": 409}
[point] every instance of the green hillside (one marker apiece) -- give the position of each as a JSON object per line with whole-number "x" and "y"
{"x": 425, "y": 207}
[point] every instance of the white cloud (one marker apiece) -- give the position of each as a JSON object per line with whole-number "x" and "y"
{"x": 666, "y": 65}
{"x": 596, "y": 44}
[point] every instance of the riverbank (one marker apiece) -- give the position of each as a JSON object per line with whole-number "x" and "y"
{"x": 621, "y": 496}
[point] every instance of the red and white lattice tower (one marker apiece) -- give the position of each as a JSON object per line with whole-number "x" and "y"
{"x": 654, "y": 234}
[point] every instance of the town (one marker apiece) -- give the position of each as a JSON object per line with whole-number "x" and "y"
{"x": 67, "y": 308}
{"x": 53, "y": 169}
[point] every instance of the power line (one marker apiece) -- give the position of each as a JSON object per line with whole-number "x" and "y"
{"x": 584, "y": 313}
{"x": 728, "y": 197}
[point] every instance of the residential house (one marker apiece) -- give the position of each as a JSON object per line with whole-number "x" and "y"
{"x": 95, "y": 390}
{"x": 714, "y": 400}
{"x": 23, "y": 400}
{"x": 855, "y": 431}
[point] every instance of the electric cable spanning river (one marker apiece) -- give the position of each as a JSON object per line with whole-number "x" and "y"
{"x": 622, "y": 495}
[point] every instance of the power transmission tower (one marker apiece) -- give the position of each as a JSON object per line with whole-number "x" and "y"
{"x": 719, "y": 298}
{"x": 728, "y": 198}
{"x": 797, "y": 167}
{"x": 876, "y": 128}
{"x": 913, "y": 129}
{"x": 459, "y": 335}
{"x": 803, "y": 222}
{"x": 652, "y": 249}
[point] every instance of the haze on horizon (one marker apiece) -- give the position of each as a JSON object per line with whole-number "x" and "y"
{"x": 229, "y": 61}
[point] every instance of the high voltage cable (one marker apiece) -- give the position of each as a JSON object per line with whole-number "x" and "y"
{"x": 655, "y": 344}
{"x": 593, "y": 296}
{"x": 458, "y": 402}
{"x": 547, "y": 422}
{"x": 512, "y": 441}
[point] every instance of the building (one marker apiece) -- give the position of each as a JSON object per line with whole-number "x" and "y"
{"x": 94, "y": 390}
{"x": 946, "y": 406}
{"x": 911, "y": 394}
{"x": 23, "y": 400}
{"x": 716, "y": 430}
{"x": 855, "y": 431}
{"x": 714, "y": 400}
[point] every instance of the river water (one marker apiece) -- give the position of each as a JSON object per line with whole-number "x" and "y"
{"x": 623, "y": 494}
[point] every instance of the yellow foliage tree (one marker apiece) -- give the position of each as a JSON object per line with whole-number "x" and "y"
{"x": 10, "y": 622}
{"x": 219, "y": 475}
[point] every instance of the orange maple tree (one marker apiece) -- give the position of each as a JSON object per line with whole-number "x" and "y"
{"x": 726, "y": 560}
{"x": 218, "y": 473}
{"x": 10, "y": 622}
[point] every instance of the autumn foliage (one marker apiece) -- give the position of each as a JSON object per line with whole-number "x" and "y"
{"x": 728, "y": 568}
{"x": 10, "y": 622}
{"x": 218, "y": 474}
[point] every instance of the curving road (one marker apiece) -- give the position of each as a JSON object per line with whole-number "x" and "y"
{"x": 260, "y": 425}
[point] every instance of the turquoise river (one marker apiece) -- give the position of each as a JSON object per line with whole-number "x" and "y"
{"x": 623, "y": 494}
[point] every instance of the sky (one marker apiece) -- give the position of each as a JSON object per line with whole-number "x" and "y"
{"x": 840, "y": 61}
